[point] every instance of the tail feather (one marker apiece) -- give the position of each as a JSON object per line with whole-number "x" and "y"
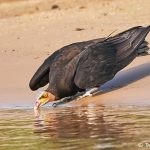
{"x": 141, "y": 37}
{"x": 136, "y": 38}
{"x": 143, "y": 49}
{"x": 133, "y": 45}
{"x": 145, "y": 43}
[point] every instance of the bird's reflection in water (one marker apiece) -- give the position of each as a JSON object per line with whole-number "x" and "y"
{"x": 111, "y": 126}
{"x": 73, "y": 122}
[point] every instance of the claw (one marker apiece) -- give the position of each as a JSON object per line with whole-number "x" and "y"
{"x": 85, "y": 95}
{"x": 78, "y": 96}
{"x": 62, "y": 101}
{"x": 54, "y": 105}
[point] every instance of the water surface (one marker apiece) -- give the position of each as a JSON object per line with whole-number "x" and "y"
{"x": 76, "y": 128}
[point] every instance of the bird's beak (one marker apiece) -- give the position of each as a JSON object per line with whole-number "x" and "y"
{"x": 41, "y": 102}
{"x": 44, "y": 99}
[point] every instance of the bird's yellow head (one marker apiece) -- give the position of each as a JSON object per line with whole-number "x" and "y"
{"x": 44, "y": 98}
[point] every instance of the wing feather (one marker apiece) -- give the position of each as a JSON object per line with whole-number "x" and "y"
{"x": 95, "y": 66}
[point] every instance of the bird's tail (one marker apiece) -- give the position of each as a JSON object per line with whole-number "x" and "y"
{"x": 130, "y": 44}
{"x": 137, "y": 36}
{"x": 143, "y": 49}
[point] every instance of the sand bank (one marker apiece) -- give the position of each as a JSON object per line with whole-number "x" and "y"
{"x": 30, "y": 31}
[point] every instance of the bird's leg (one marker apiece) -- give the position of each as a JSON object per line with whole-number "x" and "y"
{"x": 67, "y": 99}
{"x": 62, "y": 101}
{"x": 89, "y": 92}
{"x": 78, "y": 96}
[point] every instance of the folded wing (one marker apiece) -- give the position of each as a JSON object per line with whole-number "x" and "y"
{"x": 101, "y": 61}
{"x": 96, "y": 65}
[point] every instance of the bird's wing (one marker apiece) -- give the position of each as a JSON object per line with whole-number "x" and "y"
{"x": 60, "y": 57}
{"x": 41, "y": 76}
{"x": 96, "y": 65}
{"x": 101, "y": 61}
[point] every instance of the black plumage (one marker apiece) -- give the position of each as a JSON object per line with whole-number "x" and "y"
{"x": 89, "y": 64}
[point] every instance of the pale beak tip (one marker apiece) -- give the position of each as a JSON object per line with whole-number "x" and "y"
{"x": 37, "y": 105}
{"x": 36, "y": 108}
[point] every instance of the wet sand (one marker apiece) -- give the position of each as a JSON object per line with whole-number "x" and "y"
{"x": 30, "y": 31}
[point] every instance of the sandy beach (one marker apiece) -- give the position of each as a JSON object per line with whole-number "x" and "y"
{"x": 32, "y": 30}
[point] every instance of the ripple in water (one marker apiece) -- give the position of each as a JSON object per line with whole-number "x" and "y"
{"x": 71, "y": 128}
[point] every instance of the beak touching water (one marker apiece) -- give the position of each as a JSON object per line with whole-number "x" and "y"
{"x": 43, "y": 99}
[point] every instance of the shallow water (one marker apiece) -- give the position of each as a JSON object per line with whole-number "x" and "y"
{"x": 76, "y": 128}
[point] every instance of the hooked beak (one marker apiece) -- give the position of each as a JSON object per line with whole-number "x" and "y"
{"x": 41, "y": 102}
{"x": 43, "y": 99}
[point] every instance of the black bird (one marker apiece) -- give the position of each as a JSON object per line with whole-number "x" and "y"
{"x": 80, "y": 68}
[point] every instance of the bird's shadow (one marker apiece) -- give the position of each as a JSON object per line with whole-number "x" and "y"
{"x": 126, "y": 77}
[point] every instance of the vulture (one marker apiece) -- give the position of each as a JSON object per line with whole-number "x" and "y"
{"x": 79, "y": 69}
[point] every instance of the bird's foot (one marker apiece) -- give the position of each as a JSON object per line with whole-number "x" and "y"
{"x": 67, "y": 99}
{"x": 62, "y": 101}
{"x": 88, "y": 93}
{"x": 78, "y": 96}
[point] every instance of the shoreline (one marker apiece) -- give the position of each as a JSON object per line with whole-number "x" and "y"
{"x": 29, "y": 38}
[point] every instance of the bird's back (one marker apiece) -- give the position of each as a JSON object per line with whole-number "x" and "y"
{"x": 100, "y": 62}
{"x": 56, "y": 62}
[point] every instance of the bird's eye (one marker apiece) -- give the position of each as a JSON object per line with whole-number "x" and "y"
{"x": 42, "y": 97}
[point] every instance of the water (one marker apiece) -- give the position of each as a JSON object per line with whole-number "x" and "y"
{"x": 76, "y": 128}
